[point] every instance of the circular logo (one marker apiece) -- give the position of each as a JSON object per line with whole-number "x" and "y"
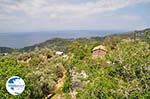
{"x": 15, "y": 85}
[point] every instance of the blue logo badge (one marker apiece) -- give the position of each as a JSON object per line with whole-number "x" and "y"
{"x": 15, "y": 85}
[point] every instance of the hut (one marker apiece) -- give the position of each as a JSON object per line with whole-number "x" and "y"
{"x": 99, "y": 51}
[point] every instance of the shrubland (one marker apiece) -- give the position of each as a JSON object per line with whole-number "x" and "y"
{"x": 122, "y": 73}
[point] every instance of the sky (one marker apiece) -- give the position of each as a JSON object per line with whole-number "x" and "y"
{"x": 46, "y": 15}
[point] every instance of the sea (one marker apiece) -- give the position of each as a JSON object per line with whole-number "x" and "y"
{"x": 23, "y": 39}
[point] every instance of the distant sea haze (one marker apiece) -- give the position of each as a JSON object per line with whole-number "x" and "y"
{"x": 20, "y": 40}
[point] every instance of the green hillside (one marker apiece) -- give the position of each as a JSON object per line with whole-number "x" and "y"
{"x": 122, "y": 72}
{"x": 6, "y": 50}
{"x": 62, "y": 44}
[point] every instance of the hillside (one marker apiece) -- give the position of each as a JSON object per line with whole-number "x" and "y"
{"x": 62, "y": 44}
{"x": 6, "y": 50}
{"x": 111, "y": 67}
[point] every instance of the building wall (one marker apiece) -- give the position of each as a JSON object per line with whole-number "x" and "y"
{"x": 98, "y": 53}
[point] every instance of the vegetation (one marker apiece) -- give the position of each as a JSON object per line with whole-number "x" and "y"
{"x": 127, "y": 76}
{"x": 6, "y": 50}
{"x": 122, "y": 73}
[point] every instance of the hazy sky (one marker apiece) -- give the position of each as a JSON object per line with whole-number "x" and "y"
{"x": 45, "y": 15}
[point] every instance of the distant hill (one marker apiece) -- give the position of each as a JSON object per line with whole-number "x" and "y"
{"x": 141, "y": 34}
{"x": 23, "y": 39}
{"x": 55, "y": 44}
{"x": 6, "y": 50}
{"x": 62, "y": 44}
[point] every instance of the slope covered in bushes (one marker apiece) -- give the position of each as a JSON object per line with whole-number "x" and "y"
{"x": 122, "y": 73}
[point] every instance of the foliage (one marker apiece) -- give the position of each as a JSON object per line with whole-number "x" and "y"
{"x": 126, "y": 77}
{"x": 123, "y": 73}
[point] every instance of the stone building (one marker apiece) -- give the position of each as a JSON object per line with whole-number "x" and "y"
{"x": 99, "y": 51}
